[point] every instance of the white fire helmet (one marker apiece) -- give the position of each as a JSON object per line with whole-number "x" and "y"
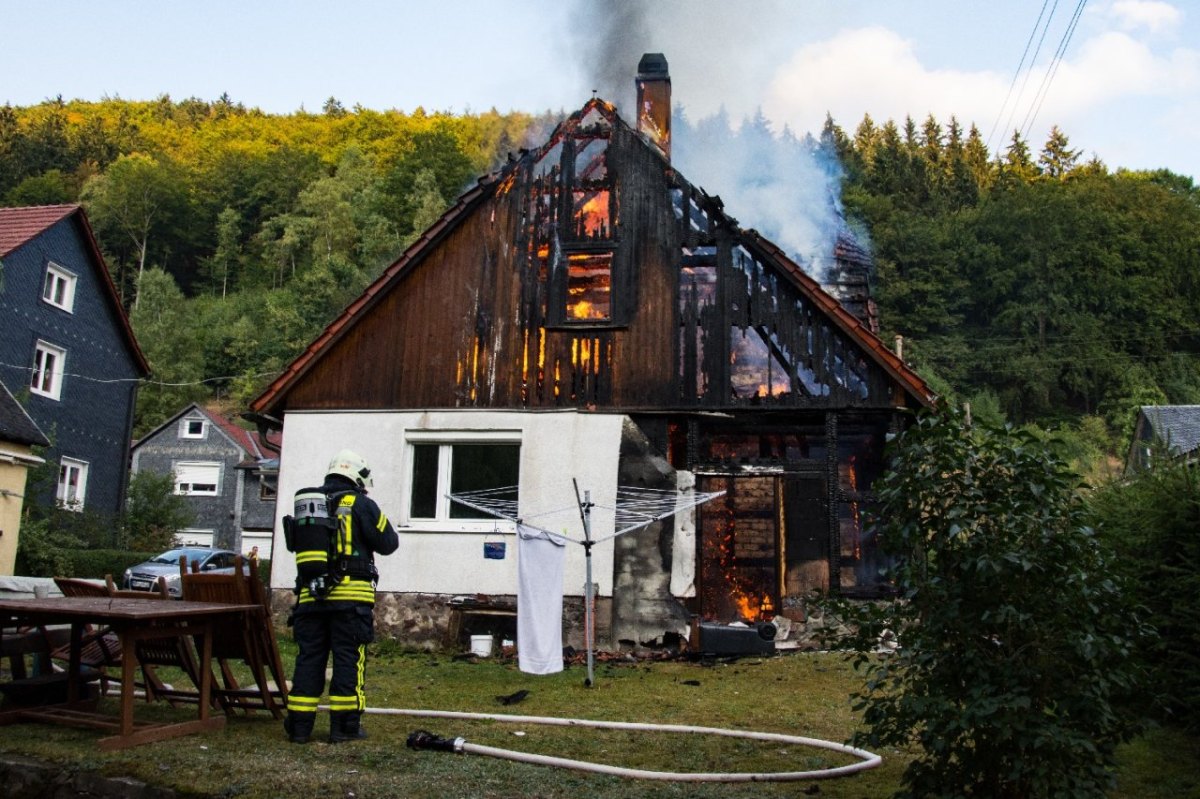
{"x": 350, "y": 464}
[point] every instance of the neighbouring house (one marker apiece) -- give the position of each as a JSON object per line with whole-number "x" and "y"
{"x": 227, "y": 473}
{"x": 18, "y": 436}
{"x": 68, "y": 353}
{"x": 585, "y": 317}
{"x": 1173, "y": 430}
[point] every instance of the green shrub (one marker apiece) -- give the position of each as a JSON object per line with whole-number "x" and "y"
{"x": 1015, "y": 645}
{"x": 42, "y": 549}
{"x": 154, "y": 513}
{"x": 1152, "y": 522}
{"x": 99, "y": 562}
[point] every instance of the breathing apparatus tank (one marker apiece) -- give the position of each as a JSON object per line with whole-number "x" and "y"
{"x": 310, "y": 534}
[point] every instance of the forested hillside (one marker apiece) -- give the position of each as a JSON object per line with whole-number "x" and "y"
{"x": 1045, "y": 287}
{"x": 1040, "y": 286}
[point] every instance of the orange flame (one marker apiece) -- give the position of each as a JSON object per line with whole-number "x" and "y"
{"x": 852, "y": 475}
{"x": 593, "y": 216}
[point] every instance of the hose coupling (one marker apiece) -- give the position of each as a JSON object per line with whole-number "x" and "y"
{"x": 423, "y": 739}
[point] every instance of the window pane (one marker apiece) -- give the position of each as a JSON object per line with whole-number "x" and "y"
{"x": 589, "y": 284}
{"x": 423, "y": 502}
{"x": 49, "y": 365}
{"x": 39, "y": 369}
{"x": 475, "y": 467}
{"x": 72, "y": 483}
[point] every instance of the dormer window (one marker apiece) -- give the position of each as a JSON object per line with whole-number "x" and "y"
{"x": 58, "y": 289}
{"x": 193, "y": 428}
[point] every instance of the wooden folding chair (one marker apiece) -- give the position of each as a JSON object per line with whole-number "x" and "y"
{"x": 153, "y": 653}
{"x": 101, "y": 648}
{"x": 247, "y": 643}
{"x": 264, "y": 632}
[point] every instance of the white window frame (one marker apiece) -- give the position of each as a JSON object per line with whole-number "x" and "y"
{"x": 185, "y": 428}
{"x": 446, "y": 439}
{"x": 58, "y": 278}
{"x": 62, "y": 494}
{"x": 268, "y": 487}
{"x": 195, "y": 537}
{"x": 47, "y": 382}
{"x": 186, "y": 488}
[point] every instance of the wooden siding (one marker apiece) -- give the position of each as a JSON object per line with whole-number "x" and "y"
{"x": 479, "y": 318}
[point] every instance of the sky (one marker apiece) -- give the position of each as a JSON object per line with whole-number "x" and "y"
{"x": 1126, "y": 88}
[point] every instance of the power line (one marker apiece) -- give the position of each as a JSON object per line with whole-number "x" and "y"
{"x": 1016, "y": 74}
{"x": 143, "y": 381}
{"x": 1029, "y": 70}
{"x": 1040, "y": 97}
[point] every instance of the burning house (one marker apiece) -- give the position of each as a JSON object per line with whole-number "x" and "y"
{"x": 587, "y": 315}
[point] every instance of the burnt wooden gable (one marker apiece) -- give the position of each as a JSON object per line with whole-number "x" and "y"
{"x": 588, "y": 273}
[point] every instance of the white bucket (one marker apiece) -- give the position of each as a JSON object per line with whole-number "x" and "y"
{"x": 481, "y": 645}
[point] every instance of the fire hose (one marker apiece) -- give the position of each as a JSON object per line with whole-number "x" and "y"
{"x": 422, "y": 739}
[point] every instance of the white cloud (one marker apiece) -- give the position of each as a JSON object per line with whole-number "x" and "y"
{"x": 1114, "y": 65}
{"x": 874, "y": 70}
{"x": 1154, "y": 15}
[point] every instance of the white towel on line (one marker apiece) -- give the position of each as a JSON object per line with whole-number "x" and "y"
{"x": 540, "y": 559}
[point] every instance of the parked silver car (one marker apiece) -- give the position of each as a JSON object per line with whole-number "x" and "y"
{"x": 143, "y": 576}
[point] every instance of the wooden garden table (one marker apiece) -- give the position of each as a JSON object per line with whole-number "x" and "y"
{"x": 132, "y": 620}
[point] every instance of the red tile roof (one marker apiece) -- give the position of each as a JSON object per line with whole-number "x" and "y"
{"x": 19, "y": 225}
{"x": 242, "y": 437}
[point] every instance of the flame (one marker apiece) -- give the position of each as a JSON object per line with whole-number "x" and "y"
{"x": 475, "y": 369}
{"x": 582, "y": 310}
{"x": 748, "y": 603}
{"x": 593, "y": 217}
{"x": 525, "y": 367}
{"x": 852, "y": 475}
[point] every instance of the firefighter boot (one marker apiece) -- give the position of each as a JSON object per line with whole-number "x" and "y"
{"x": 299, "y": 726}
{"x": 345, "y": 726}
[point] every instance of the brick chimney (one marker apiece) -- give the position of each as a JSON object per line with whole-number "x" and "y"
{"x": 654, "y": 102}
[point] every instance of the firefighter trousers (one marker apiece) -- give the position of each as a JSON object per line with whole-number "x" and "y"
{"x": 344, "y": 633}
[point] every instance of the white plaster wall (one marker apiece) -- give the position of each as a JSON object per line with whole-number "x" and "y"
{"x": 556, "y": 446}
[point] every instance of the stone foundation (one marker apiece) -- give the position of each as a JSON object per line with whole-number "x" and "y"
{"x": 421, "y": 621}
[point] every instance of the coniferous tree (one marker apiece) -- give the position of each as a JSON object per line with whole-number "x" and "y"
{"x": 1017, "y": 165}
{"x": 866, "y": 139}
{"x": 1057, "y": 159}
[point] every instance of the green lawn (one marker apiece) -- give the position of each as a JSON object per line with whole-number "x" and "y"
{"x": 799, "y": 694}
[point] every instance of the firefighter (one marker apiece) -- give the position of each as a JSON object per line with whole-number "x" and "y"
{"x": 335, "y": 596}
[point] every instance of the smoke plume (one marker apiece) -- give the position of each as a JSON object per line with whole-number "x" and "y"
{"x": 775, "y": 181}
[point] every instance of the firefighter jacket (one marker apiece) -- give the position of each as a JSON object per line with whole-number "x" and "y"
{"x": 362, "y": 532}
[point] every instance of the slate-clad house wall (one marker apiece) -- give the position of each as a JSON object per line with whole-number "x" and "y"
{"x": 91, "y": 420}
{"x": 197, "y": 444}
{"x": 1173, "y": 428}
